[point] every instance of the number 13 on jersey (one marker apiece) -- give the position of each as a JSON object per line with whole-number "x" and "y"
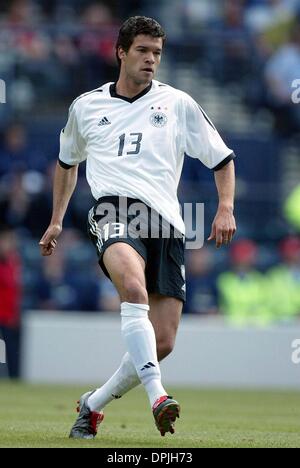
{"x": 135, "y": 142}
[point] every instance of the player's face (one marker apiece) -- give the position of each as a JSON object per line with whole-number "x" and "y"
{"x": 142, "y": 59}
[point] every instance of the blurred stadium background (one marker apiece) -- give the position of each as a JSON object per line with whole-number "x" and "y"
{"x": 238, "y": 59}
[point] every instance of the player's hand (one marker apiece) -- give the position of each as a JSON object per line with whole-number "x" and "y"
{"x": 223, "y": 227}
{"x": 49, "y": 240}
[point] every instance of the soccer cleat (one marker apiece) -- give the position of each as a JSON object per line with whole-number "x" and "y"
{"x": 165, "y": 411}
{"x": 86, "y": 425}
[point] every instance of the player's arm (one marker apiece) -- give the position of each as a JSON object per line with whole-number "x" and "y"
{"x": 63, "y": 187}
{"x": 224, "y": 226}
{"x": 72, "y": 153}
{"x": 202, "y": 141}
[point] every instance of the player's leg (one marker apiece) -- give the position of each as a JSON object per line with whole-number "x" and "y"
{"x": 166, "y": 287}
{"x": 127, "y": 271}
{"x": 131, "y": 286}
{"x": 125, "y": 378}
{"x": 165, "y": 313}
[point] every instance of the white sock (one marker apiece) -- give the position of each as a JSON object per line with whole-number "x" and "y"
{"x": 139, "y": 337}
{"x": 123, "y": 380}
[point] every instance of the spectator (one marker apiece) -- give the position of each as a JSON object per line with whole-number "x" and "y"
{"x": 201, "y": 283}
{"x": 284, "y": 281}
{"x": 96, "y": 45}
{"x": 292, "y": 208}
{"x": 265, "y": 14}
{"x": 280, "y": 72}
{"x": 16, "y": 154}
{"x": 62, "y": 288}
{"x": 242, "y": 289}
{"x": 231, "y": 44}
{"x": 10, "y": 298}
{"x": 66, "y": 57}
{"x": 15, "y": 203}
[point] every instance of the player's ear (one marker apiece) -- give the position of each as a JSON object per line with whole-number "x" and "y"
{"x": 121, "y": 53}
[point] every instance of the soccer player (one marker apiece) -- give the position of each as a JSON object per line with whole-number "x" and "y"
{"x": 134, "y": 134}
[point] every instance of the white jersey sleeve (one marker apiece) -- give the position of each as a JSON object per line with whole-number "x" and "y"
{"x": 202, "y": 140}
{"x": 72, "y": 144}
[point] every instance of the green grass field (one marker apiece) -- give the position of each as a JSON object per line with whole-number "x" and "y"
{"x": 41, "y": 416}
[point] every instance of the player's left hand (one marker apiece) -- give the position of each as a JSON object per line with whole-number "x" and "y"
{"x": 49, "y": 240}
{"x": 223, "y": 227}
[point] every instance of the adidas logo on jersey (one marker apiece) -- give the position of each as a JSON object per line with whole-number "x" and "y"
{"x": 104, "y": 121}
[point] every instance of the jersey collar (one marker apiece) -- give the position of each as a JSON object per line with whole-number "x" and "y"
{"x": 113, "y": 93}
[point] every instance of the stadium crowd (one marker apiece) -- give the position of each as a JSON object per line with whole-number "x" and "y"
{"x": 57, "y": 50}
{"x": 50, "y": 52}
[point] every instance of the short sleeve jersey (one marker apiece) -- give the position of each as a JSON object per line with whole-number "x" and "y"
{"x": 136, "y": 147}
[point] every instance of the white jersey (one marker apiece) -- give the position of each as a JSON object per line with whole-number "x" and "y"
{"x": 136, "y": 147}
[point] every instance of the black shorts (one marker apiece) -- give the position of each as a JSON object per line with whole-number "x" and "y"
{"x": 122, "y": 219}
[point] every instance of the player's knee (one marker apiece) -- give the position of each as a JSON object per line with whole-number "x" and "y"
{"x": 133, "y": 291}
{"x": 164, "y": 348}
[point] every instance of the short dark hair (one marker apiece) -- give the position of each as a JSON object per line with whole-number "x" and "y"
{"x": 133, "y": 27}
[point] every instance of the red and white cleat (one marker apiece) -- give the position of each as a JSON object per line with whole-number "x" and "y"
{"x": 165, "y": 411}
